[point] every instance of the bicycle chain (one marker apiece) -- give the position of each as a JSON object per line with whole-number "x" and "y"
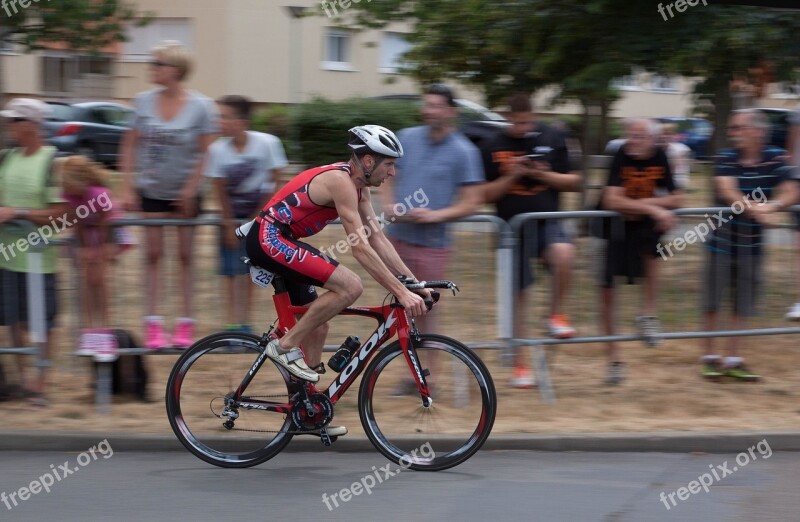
{"x": 268, "y": 431}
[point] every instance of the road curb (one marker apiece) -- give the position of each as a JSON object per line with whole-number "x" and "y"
{"x": 664, "y": 442}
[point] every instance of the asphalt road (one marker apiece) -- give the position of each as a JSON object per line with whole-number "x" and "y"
{"x": 492, "y": 486}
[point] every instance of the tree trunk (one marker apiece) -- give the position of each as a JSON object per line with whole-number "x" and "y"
{"x": 723, "y": 104}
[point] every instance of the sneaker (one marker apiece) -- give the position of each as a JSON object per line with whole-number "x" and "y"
{"x": 741, "y": 373}
{"x": 155, "y": 337}
{"x": 712, "y": 369}
{"x": 292, "y": 360}
{"x": 337, "y": 431}
{"x": 616, "y": 373}
{"x": 333, "y": 431}
{"x": 794, "y": 313}
{"x": 559, "y": 327}
{"x": 184, "y": 333}
{"x": 523, "y": 378}
{"x": 650, "y": 328}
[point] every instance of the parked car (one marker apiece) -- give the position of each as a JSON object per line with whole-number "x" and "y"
{"x": 476, "y": 121}
{"x": 694, "y": 133}
{"x": 92, "y": 129}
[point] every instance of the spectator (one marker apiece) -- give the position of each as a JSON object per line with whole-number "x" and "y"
{"x": 162, "y": 159}
{"x": 29, "y": 191}
{"x": 678, "y": 154}
{"x": 91, "y": 208}
{"x": 518, "y": 185}
{"x": 640, "y": 186}
{"x": 793, "y": 148}
{"x": 441, "y": 162}
{"x": 752, "y": 171}
{"x": 244, "y": 166}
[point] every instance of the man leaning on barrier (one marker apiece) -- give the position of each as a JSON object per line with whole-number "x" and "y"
{"x": 745, "y": 178}
{"x": 640, "y": 186}
{"x": 28, "y": 191}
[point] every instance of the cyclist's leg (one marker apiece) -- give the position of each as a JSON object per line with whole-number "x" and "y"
{"x": 344, "y": 287}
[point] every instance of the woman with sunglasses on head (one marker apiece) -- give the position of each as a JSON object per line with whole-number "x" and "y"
{"x": 162, "y": 164}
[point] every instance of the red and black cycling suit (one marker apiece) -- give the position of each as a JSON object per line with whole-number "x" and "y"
{"x": 289, "y": 215}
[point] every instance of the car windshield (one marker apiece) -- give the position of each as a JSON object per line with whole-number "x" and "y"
{"x": 60, "y": 112}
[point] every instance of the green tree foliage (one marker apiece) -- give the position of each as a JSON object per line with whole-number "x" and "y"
{"x": 83, "y": 25}
{"x": 581, "y": 46}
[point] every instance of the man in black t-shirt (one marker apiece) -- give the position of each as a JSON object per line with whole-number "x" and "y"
{"x": 518, "y": 185}
{"x": 640, "y": 186}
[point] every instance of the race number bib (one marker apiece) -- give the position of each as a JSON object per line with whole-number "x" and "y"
{"x": 260, "y": 276}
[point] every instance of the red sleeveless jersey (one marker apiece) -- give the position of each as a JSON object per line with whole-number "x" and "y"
{"x": 292, "y": 206}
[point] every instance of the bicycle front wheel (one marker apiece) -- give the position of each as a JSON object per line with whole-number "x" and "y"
{"x": 202, "y": 378}
{"x": 442, "y": 435}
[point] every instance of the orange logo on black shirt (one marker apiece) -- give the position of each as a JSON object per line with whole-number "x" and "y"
{"x": 641, "y": 184}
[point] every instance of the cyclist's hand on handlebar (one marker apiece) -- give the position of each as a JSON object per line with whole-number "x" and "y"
{"x": 413, "y": 303}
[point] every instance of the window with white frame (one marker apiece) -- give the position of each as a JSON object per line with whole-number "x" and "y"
{"x": 338, "y": 43}
{"x": 393, "y": 46}
{"x": 141, "y": 40}
{"x": 629, "y": 82}
{"x": 68, "y": 74}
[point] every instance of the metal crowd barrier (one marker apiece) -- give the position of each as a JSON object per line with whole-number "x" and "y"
{"x": 700, "y": 215}
{"x": 475, "y": 234}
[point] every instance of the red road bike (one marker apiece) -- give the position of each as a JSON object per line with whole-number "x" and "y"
{"x": 232, "y": 406}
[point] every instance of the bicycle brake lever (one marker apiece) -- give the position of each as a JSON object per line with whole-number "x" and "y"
{"x": 434, "y": 299}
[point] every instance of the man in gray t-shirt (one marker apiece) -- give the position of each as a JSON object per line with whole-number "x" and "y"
{"x": 438, "y": 180}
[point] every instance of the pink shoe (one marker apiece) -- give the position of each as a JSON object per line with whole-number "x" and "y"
{"x": 154, "y": 326}
{"x": 184, "y": 333}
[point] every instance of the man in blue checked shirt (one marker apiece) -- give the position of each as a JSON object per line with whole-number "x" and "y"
{"x": 755, "y": 180}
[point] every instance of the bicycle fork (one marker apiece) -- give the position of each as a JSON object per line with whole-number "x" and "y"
{"x": 412, "y": 358}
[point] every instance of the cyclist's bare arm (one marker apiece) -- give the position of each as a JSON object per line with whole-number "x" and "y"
{"x": 340, "y": 190}
{"x": 378, "y": 240}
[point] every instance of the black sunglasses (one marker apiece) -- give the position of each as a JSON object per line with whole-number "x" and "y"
{"x": 17, "y": 120}
{"x": 157, "y": 63}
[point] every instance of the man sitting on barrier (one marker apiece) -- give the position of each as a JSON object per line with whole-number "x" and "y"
{"x": 745, "y": 177}
{"x": 303, "y": 207}
{"x": 640, "y": 186}
{"x": 518, "y": 185}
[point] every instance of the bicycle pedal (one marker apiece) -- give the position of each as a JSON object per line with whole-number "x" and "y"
{"x": 326, "y": 439}
{"x": 320, "y": 368}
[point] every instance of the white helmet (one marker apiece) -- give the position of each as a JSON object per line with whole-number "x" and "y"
{"x": 377, "y": 139}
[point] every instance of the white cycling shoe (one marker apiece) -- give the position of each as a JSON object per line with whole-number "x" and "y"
{"x": 337, "y": 431}
{"x": 292, "y": 360}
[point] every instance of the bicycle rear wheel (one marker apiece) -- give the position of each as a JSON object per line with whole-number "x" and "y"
{"x": 443, "y": 435}
{"x": 202, "y": 377}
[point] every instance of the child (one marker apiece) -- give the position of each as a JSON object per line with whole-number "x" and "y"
{"x": 244, "y": 166}
{"x": 91, "y": 210}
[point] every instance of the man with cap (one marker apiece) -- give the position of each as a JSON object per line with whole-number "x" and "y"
{"x": 29, "y": 192}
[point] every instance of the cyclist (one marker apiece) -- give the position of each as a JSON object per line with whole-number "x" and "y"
{"x": 303, "y": 207}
